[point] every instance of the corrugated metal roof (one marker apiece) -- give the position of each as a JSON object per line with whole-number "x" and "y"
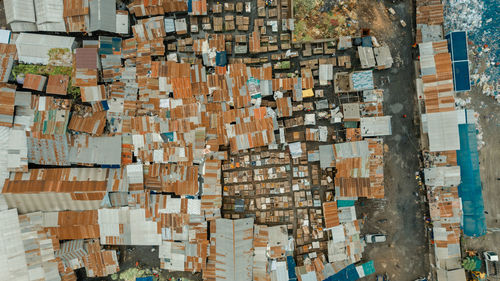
{"x": 351, "y": 150}
{"x": 49, "y": 15}
{"x": 7, "y": 102}
{"x": 4, "y": 137}
{"x": 86, "y": 58}
{"x": 48, "y": 149}
{"x": 56, "y": 189}
{"x": 376, "y": 126}
{"x": 330, "y": 213}
{"x": 443, "y": 131}
{"x": 100, "y": 263}
{"x": 104, "y": 150}
{"x": 383, "y": 56}
{"x": 233, "y": 244}
{"x": 125, "y": 226}
{"x": 72, "y": 253}
{"x": 102, "y": 15}
{"x": 34, "y": 82}
{"x": 7, "y": 54}
{"x": 34, "y": 48}
{"x": 326, "y": 156}
{"x": 57, "y": 84}
{"x": 19, "y": 11}
{"x": 12, "y": 257}
{"x": 122, "y": 22}
{"x": 366, "y": 57}
{"x": 442, "y": 176}
{"x": 93, "y": 93}
{"x": 90, "y": 123}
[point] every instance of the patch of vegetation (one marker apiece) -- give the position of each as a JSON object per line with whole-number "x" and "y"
{"x": 55, "y": 52}
{"x": 323, "y": 19}
{"x": 47, "y": 70}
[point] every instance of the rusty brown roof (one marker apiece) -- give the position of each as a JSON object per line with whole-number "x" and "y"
{"x": 34, "y": 82}
{"x": 57, "y": 84}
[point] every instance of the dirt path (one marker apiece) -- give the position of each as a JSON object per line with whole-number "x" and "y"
{"x": 406, "y": 256}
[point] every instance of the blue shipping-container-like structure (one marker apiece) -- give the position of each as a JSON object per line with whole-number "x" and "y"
{"x": 457, "y": 46}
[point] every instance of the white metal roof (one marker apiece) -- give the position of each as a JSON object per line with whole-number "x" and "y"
{"x": 366, "y": 57}
{"x": 49, "y": 11}
{"x": 443, "y": 131}
{"x": 234, "y": 241}
{"x": 19, "y": 10}
{"x": 12, "y": 257}
{"x": 376, "y": 126}
{"x": 34, "y": 48}
{"x": 442, "y": 176}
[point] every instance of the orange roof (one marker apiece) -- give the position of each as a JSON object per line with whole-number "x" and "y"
{"x": 92, "y": 124}
{"x": 331, "y": 215}
{"x": 76, "y": 225}
{"x": 7, "y": 101}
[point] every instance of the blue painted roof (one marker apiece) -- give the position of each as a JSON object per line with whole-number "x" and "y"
{"x": 457, "y": 46}
{"x": 368, "y": 268}
{"x": 347, "y": 274}
{"x": 291, "y": 268}
{"x": 461, "y": 77}
{"x": 345, "y": 203}
{"x": 221, "y": 58}
{"x": 469, "y": 190}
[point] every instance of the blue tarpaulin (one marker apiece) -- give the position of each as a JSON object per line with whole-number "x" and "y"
{"x": 457, "y": 46}
{"x": 345, "y": 203}
{"x": 167, "y": 137}
{"x": 362, "y": 80}
{"x": 221, "y": 58}
{"x": 105, "y": 105}
{"x": 109, "y": 45}
{"x": 149, "y": 278}
{"x": 352, "y": 272}
{"x": 366, "y": 41}
{"x": 291, "y": 268}
{"x": 469, "y": 190}
{"x": 347, "y": 274}
{"x": 368, "y": 268}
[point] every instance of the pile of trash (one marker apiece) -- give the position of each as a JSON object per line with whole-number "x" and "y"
{"x": 133, "y": 273}
{"x": 479, "y": 132}
{"x": 463, "y": 15}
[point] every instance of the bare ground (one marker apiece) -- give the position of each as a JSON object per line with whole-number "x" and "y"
{"x": 405, "y": 256}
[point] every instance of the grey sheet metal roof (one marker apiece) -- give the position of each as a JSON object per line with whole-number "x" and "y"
{"x": 326, "y": 156}
{"x": 376, "y": 126}
{"x": 53, "y": 150}
{"x": 34, "y": 48}
{"x": 96, "y": 150}
{"x": 352, "y": 149}
{"x": 234, "y": 243}
{"x": 102, "y": 15}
